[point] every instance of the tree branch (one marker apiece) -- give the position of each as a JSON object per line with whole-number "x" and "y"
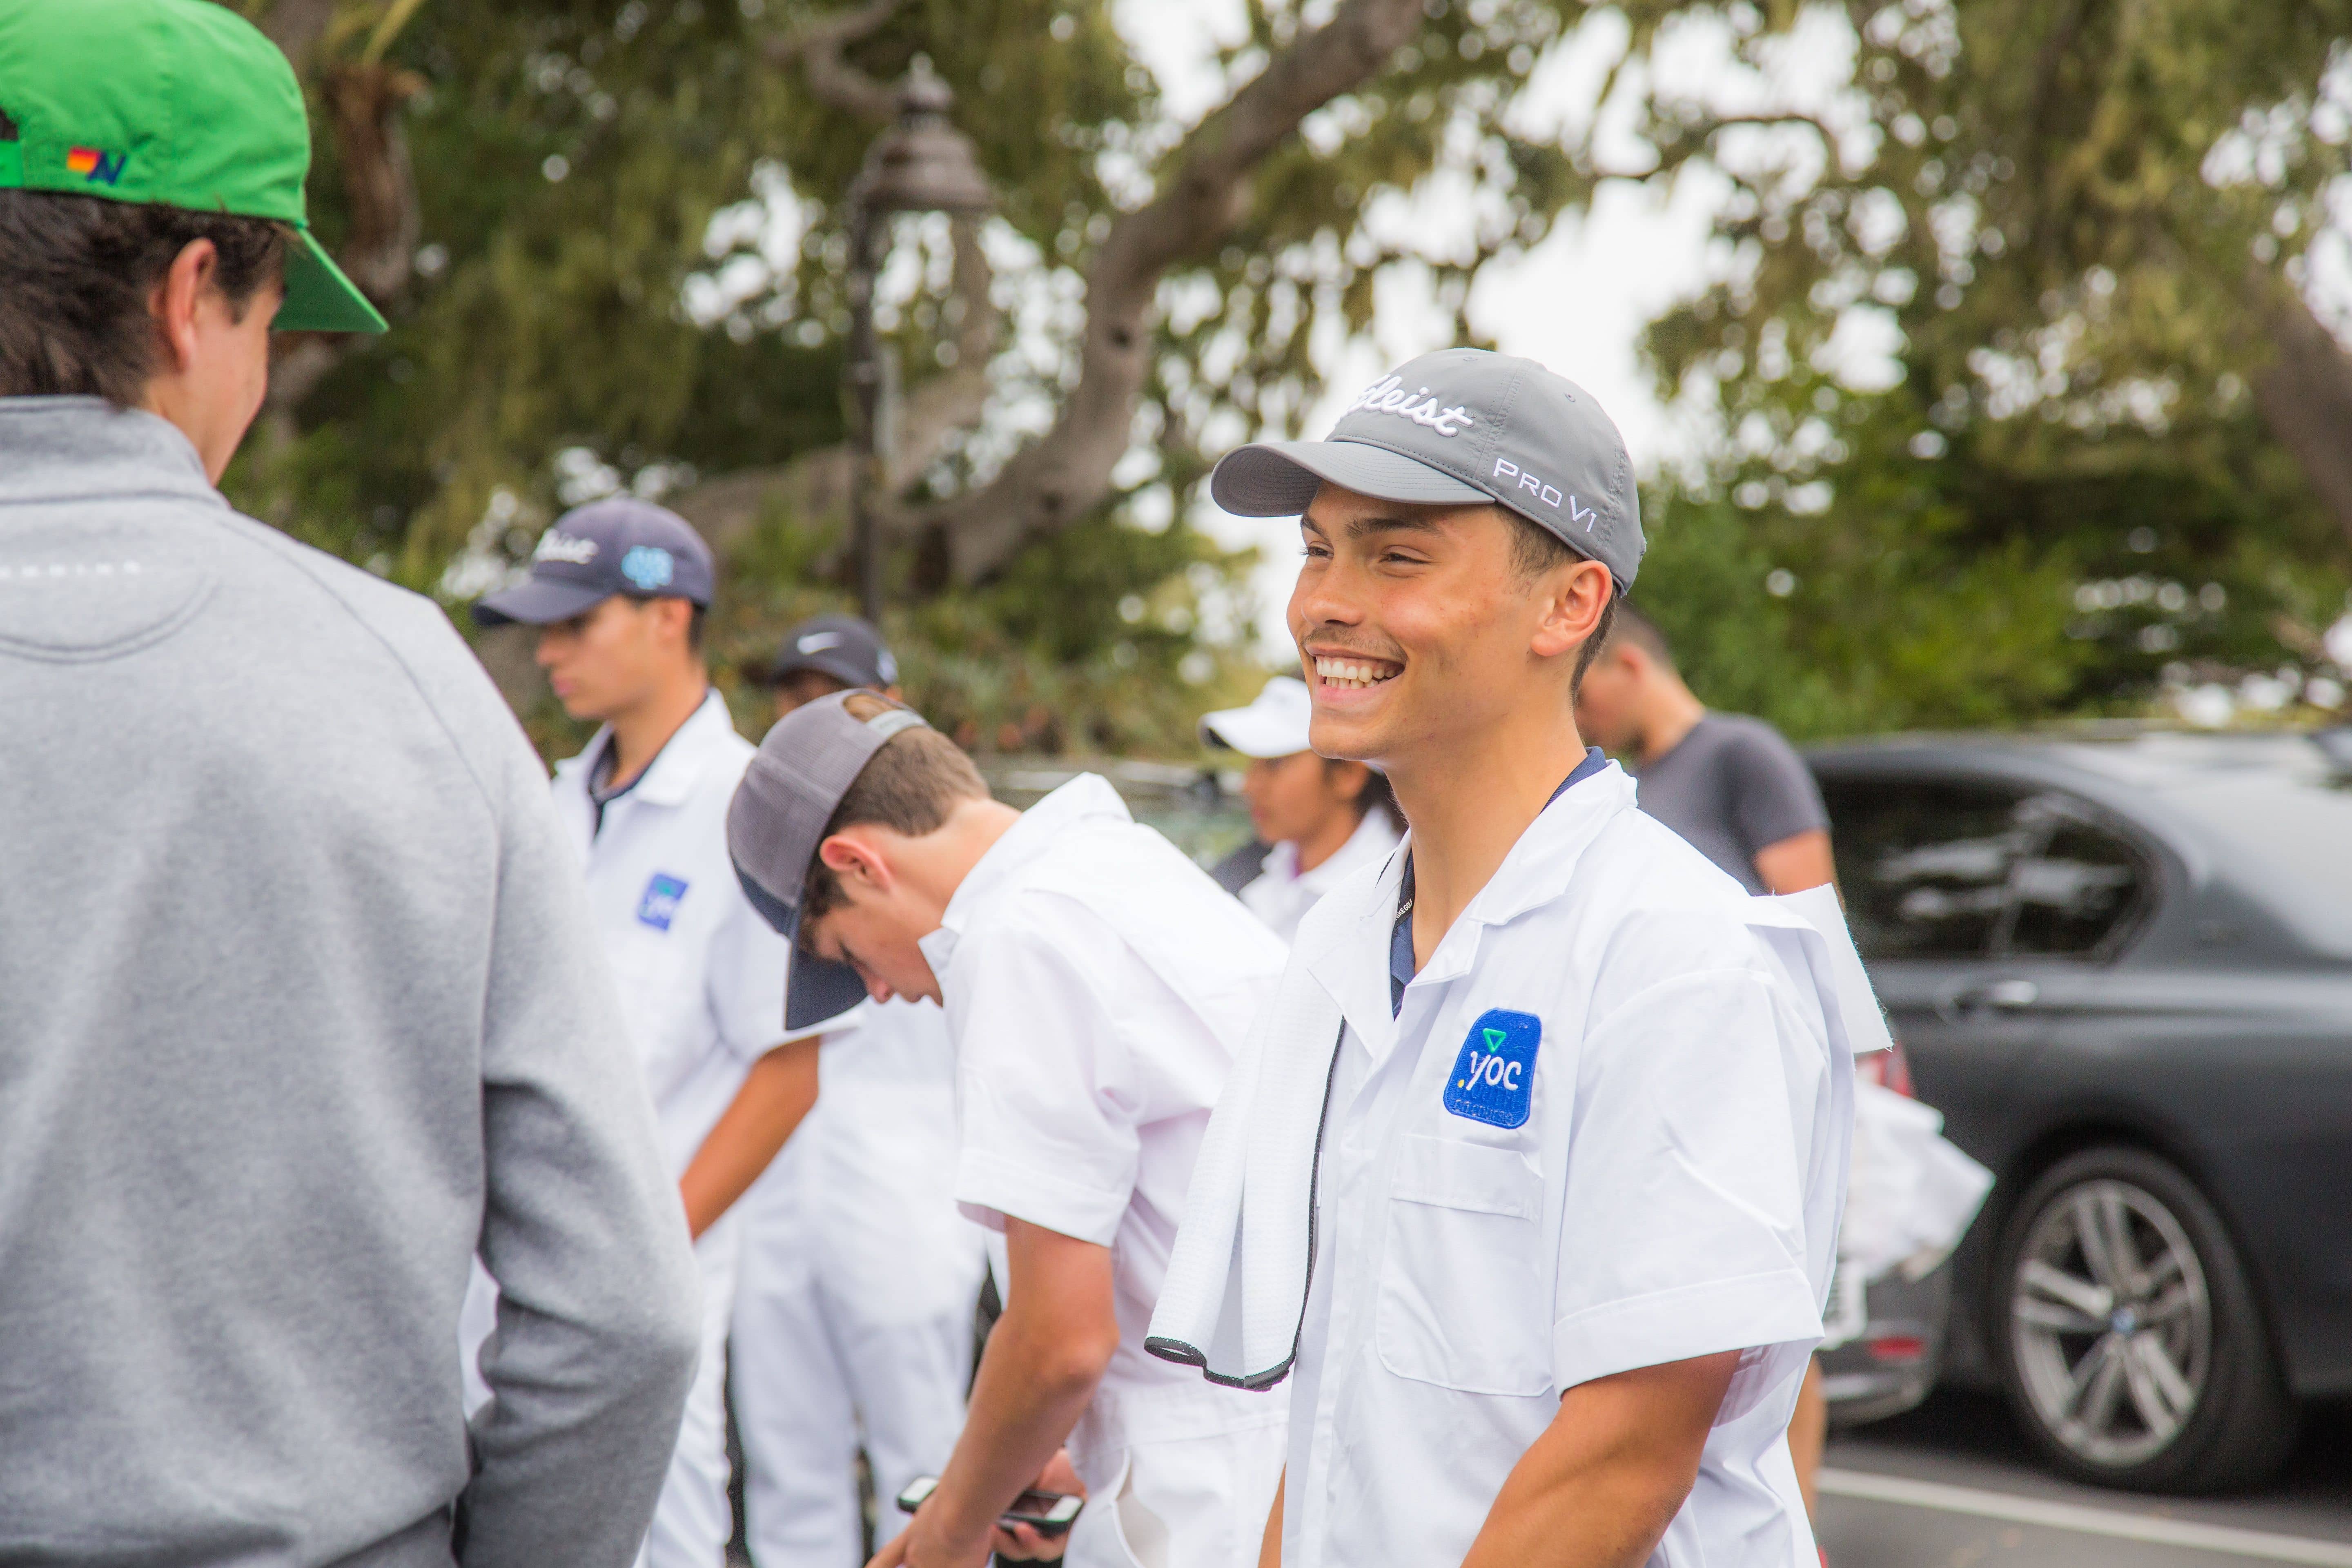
{"x": 818, "y": 48}
{"x": 363, "y": 103}
{"x": 1067, "y": 473}
{"x": 296, "y": 28}
{"x": 2304, "y": 396}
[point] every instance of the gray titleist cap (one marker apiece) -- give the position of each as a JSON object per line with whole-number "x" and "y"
{"x": 811, "y": 757}
{"x": 1459, "y": 427}
{"x": 623, "y": 545}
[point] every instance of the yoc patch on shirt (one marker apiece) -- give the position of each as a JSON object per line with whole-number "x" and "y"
{"x": 1493, "y": 1078}
{"x": 658, "y": 906}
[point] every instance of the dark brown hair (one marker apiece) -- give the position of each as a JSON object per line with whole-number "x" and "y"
{"x": 1535, "y": 551}
{"x": 909, "y": 786}
{"x": 75, "y": 276}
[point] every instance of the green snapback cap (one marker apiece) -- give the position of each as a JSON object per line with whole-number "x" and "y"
{"x": 179, "y": 103}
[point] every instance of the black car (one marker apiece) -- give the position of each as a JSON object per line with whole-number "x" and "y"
{"x": 2122, "y": 968}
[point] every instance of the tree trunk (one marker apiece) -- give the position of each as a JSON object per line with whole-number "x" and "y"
{"x": 2306, "y": 397}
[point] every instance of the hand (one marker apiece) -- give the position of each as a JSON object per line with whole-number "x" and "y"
{"x": 919, "y": 1546}
{"x": 1027, "y": 1542}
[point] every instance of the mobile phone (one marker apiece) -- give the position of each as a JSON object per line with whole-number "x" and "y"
{"x": 1048, "y": 1513}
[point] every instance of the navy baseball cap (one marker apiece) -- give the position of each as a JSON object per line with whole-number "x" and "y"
{"x": 843, "y": 647}
{"x": 778, "y": 817}
{"x": 622, "y": 545}
{"x": 1461, "y": 427}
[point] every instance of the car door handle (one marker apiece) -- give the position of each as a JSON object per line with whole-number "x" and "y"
{"x": 2003, "y": 995}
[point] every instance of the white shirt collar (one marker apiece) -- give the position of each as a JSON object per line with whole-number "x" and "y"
{"x": 672, "y": 775}
{"x": 1344, "y": 940}
{"x": 1087, "y": 797}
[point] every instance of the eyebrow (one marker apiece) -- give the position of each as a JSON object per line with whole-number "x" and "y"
{"x": 1380, "y": 522}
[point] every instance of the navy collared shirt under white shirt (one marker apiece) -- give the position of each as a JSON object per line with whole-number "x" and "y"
{"x": 1400, "y": 966}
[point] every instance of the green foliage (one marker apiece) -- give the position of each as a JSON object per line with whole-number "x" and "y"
{"x": 2077, "y": 213}
{"x": 570, "y": 156}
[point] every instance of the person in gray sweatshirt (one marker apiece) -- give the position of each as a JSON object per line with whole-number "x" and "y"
{"x": 299, "y": 1004}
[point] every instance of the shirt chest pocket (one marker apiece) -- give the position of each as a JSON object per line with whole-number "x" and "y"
{"x": 657, "y": 978}
{"x": 1464, "y": 1295}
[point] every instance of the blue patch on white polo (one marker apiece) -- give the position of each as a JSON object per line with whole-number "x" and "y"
{"x": 1493, "y": 1078}
{"x": 659, "y": 905}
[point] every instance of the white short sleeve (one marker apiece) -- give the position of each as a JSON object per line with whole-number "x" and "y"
{"x": 746, "y": 980}
{"x": 1683, "y": 1233}
{"x": 1047, "y": 1113}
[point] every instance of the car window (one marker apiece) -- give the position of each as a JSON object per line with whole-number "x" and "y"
{"x": 2073, "y": 891}
{"x": 1925, "y": 866}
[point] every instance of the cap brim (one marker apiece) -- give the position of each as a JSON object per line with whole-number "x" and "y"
{"x": 540, "y": 601}
{"x": 1278, "y": 478}
{"x": 816, "y": 989}
{"x": 841, "y": 670}
{"x": 319, "y": 298}
{"x": 1252, "y": 733}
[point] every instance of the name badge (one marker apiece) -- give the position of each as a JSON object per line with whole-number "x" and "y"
{"x": 1493, "y": 1078}
{"x": 658, "y": 906}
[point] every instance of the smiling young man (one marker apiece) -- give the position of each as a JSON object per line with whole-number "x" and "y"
{"x": 1096, "y": 986}
{"x": 618, "y": 589}
{"x": 1529, "y": 1182}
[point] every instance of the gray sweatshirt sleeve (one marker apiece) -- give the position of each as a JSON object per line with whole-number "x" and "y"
{"x": 582, "y": 1226}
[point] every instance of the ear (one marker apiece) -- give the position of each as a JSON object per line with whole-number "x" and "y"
{"x": 856, "y": 861}
{"x": 1570, "y": 600}
{"x": 673, "y": 617}
{"x": 174, "y": 300}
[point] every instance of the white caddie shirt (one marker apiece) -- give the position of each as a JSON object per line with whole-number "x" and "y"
{"x": 1598, "y": 1135}
{"x": 699, "y": 972}
{"x": 1281, "y": 894}
{"x": 865, "y": 1189}
{"x": 1097, "y": 985}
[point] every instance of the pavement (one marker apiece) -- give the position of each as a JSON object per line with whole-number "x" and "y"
{"x": 1953, "y": 1484}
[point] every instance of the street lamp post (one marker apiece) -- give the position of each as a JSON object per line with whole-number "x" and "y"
{"x": 922, "y": 163}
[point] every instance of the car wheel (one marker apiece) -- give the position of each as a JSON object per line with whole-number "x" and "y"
{"x": 2131, "y": 1346}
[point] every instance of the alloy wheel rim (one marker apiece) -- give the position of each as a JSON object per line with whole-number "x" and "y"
{"x": 2111, "y": 1323}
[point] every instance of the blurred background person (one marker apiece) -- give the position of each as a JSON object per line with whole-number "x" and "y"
{"x": 1728, "y": 783}
{"x": 1322, "y": 818}
{"x": 301, "y": 1006}
{"x": 618, "y": 589}
{"x": 853, "y": 1309}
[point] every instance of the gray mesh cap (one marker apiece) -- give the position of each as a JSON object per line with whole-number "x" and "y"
{"x": 778, "y": 816}
{"x": 1461, "y": 427}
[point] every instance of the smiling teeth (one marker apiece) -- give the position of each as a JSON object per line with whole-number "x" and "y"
{"x": 1348, "y": 672}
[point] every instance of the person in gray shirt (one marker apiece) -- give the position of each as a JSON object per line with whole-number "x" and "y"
{"x": 1728, "y": 783}
{"x": 300, "y": 1005}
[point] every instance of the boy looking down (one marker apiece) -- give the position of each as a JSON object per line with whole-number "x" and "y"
{"x": 1096, "y": 986}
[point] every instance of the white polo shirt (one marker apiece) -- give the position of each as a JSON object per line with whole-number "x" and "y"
{"x": 1281, "y": 893}
{"x": 701, "y": 975}
{"x": 1599, "y": 1134}
{"x": 1097, "y": 985}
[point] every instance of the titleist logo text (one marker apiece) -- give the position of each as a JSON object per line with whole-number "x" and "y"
{"x": 1388, "y": 395}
